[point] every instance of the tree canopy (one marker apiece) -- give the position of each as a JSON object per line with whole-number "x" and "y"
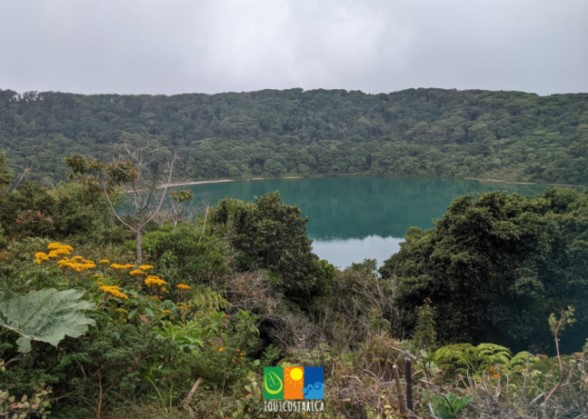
{"x": 495, "y": 268}
{"x": 415, "y": 132}
{"x": 272, "y": 235}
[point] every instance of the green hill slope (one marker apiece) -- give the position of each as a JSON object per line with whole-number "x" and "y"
{"x": 418, "y": 132}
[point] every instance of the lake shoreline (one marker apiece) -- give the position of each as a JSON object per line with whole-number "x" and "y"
{"x": 222, "y": 180}
{"x": 483, "y": 180}
{"x": 512, "y": 182}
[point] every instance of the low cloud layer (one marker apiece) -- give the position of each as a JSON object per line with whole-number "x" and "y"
{"x": 179, "y": 46}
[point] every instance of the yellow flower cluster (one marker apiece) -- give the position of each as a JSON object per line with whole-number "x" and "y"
{"x": 55, "y": 250}
{"x": 60, "y": 246}
{"x": 154, "y": 281}
{"x": 77, "y": 263}
{"x": 122, "y": 267}
{"x": 114, "y": 291}
{"x": 58, "y": 249}
{"x": 183, "y": 287}
{"x": 61, "y": 252}
{"x": 141, "y": 270}
{"x": 41, "y": 257}
{"x": 135, "y": 272}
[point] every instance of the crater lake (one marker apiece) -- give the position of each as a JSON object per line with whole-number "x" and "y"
{"x": 352, "y": 219}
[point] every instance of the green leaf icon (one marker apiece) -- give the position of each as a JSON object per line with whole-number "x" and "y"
{"x": 273, "y": 382}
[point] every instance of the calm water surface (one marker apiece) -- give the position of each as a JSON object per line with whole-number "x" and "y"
{"x": 352, "y": 219}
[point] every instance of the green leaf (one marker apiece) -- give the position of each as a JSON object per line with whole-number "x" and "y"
{"x": 448, "y": 405}
{"x": 45, "y": 316}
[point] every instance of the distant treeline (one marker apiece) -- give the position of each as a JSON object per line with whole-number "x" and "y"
{"x": 412, "y": 133}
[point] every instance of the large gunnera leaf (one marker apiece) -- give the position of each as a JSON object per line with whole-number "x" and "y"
{"x": 46, "y": 316}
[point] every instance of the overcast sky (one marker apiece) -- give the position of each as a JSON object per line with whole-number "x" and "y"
{"x": 210, "y": 46}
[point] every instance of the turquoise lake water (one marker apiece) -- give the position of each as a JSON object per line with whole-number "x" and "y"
{"x": 352, "y": 219}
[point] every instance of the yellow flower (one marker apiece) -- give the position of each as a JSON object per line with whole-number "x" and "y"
{"x": 153, "y": 280}
{"x": 183, "y": 287}
{"x": 137, "y": 272}
{"x": 220, "y": 349}
{"x": 146, "y": 267}
{"x": 114, "y": 291}
{"x": 58, "y": 252}
{"x": 77, "y": 264}
{"x": 119, "y": 266}
{"x": 89, "y": 264}
{"x": 105, "y": 261}
{"x": 41, "y": 257}
{"x": 60, "y": 246}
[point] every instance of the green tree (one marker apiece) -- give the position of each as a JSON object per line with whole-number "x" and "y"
{"x": 5, "y": 174}
{"x": 188, "y": 252}
{"x": 271, "y": 235}
{"x": 357, "y": 304}
{"x": 425, "y": 335}
{"x": 496, "y": 266}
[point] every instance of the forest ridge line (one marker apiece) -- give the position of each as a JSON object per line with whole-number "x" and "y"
{"x": 508, "y": 136}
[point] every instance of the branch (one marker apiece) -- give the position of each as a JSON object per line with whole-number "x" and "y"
{"x": 165, "y": 188}
{"x": 190, "y": 395}
{"x": 145, "y": 203}
{"x": 110, "y": 204}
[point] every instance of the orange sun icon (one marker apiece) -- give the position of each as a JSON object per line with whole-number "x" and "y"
{"x": 294, "y": 378}
{"x": 296, "y": 374}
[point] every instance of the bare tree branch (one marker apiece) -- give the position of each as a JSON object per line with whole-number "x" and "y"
{"x": 111, "y": 205}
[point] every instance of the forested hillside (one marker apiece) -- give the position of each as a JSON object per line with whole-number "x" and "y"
{"x": 422, "y": 132}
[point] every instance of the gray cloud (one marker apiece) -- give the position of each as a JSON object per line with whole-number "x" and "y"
{"x": 176, "y": 46}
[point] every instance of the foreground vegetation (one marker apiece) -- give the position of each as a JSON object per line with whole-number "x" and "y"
{"x": 511, "y": 136}
{"x": 220, "y": 295}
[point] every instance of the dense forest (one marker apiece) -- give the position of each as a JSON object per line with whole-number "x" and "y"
{"x": 417, "y": 132}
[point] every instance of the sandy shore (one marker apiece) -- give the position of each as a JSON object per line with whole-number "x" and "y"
{"x": 196, "y": 182}
{"x": 511, "y": 182}
{"x": 485, "y": 180}
{"x": 205, "y": 182}
{"x": 490, "y": 180}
